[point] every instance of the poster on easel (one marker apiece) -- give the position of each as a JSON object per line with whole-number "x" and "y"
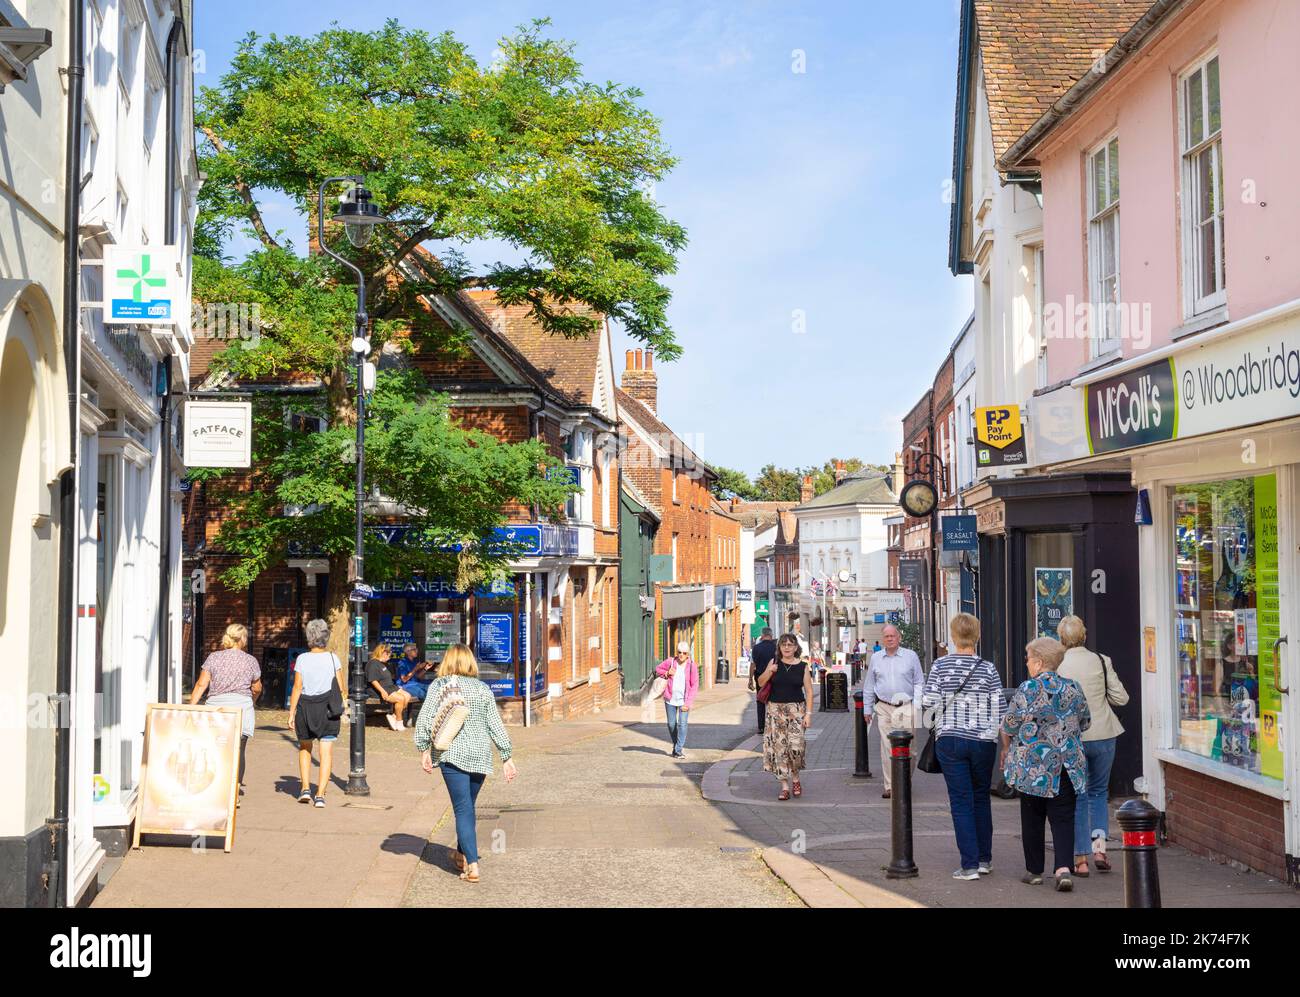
{"x": 189, "y": 777}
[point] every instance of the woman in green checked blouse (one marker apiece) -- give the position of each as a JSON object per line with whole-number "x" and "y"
{"x": 469, "y": 759}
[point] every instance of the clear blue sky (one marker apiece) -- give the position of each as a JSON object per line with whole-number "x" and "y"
{"x": 820, "y": 191}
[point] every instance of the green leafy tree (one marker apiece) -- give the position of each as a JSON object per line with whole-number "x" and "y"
{"x": 776, "y": 484}
{"x": 732, "y": 482}
{"x": 525, "y": 152}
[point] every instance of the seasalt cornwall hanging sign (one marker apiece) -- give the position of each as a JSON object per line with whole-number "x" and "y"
{"x": 218, "y": 434}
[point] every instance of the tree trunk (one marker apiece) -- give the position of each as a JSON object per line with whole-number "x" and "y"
{"x": 337, "y": 613}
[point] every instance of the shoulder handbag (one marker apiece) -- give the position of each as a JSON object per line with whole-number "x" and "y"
{"x": 334, "y": 705}
{"x": 927, "y": 760}
{"x": 449, "y": 714}
{"x": 765, "y": 691}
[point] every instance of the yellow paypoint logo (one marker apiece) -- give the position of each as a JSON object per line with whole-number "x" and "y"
{"x": 998, "y": 426}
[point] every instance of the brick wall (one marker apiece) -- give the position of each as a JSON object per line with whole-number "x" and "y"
{"x": 1224, "y": 822}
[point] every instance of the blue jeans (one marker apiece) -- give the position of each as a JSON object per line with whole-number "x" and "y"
{"x": 463, "y": 789}
{"x": 677, "y": 719}
{"x": 968, "y": 771}
{"x": 1092, "y": 809}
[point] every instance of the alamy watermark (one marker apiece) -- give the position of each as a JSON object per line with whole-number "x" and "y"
{"x": 228, "y": 321}
{"x": 1074, "y": 319}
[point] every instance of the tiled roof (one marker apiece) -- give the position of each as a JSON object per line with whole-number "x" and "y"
{"x": 858, "y": 489}
{"x": 568, "y": 364}
{"x": 1033, "y": 51}
{"x": 648, "y": 421}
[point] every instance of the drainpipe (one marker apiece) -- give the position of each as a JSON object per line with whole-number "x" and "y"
{"x": 57, "y": 825}
{"x": 165, "y": 426}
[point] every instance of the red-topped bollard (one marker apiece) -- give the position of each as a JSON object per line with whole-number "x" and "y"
{"x": 900, "y": 838}
{"x": 861, "y": 756}
{"x": 1139, "y": 820}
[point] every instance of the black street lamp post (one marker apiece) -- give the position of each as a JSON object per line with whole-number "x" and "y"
{"x": 360, "y": 217}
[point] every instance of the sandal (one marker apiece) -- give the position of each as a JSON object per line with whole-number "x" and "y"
{"x": 798, "y": 789}
{"x": 469, "y": 877}
{"x": 1081, "y": 869}
{"x": 785, "y": 795}
{"x": 1101, "y": 862}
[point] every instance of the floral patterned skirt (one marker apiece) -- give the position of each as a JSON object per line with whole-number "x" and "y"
{"x": 783, "y": 740}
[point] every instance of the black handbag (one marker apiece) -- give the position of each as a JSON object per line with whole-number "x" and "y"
{"x": 927, "y": 760}
{"x": 334, "y": 705}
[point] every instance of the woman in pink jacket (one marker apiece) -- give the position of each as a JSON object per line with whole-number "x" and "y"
{"x": 683, "y": 682}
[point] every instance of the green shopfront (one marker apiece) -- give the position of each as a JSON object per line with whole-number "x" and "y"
{"x": 1211, "y": 436}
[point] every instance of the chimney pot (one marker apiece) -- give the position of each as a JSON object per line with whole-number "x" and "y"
{"x": 638, "y": 359}
{"x": 629, "y": 359}
{"x": 649, "y": 360}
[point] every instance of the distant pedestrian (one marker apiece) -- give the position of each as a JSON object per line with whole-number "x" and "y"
{"x": 1043, "y": 758}
{"x": 964, "y": 692}
{"x": 1096, "y": 676}
{"x": 683, "y": 677}
{"x": 380, "y": 677}
{"x": 232, "y": 677}
{"x": 316, "y": 706}
{"x": 763, "y": 654}
{"x": 891, "y": 689}
{"x": 789, "y": 714}
{"x": 468, "y": 762}
{"x": 875, "y": 647}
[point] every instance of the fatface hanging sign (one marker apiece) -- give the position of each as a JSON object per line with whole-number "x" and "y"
{"x": 218, "y": 434}
{"x": 141, "y": 284}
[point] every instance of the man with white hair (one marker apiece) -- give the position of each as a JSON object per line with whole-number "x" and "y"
{"x": 891, "y": 688}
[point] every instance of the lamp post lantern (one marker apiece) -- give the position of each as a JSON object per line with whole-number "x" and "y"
{"x": 359, "y": 217}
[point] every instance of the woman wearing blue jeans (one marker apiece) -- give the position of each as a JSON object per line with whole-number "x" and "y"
{"x": 1095, "y": 673}
{"x": 468, "y": 762}
{"x": 963, "y": 693}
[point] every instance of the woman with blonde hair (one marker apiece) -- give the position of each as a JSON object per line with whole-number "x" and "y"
{"x": 1096, "y": 676}
{"x": 232, "y": 677}
{"x": 468, "y": 762}
{"x": 1043, "y": 758}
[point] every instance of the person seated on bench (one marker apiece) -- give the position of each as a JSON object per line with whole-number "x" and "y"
{"x": 380, "y": 678}
{"x": 413, "y": 675}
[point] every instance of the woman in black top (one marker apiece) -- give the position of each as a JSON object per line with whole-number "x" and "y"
{"x": 789, "y": 714}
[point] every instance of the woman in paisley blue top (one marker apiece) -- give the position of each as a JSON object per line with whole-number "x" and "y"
{"x": 1043, "y": 758}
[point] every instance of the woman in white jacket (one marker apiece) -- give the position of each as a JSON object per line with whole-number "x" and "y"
{"x": 1095, "y": 673}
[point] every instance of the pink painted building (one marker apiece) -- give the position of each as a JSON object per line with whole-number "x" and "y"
{"x": 1171, "y": 312}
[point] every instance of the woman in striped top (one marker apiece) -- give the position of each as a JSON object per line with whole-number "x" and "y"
{"x": 468, "y": 762}
{"x": 963, "y": 699}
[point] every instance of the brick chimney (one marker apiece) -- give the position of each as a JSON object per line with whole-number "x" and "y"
{"x": 839, "y": 471}
{"x": 806, "y": 489}
{"x": 641, "y": 382}
{"x": 735, "y": 503}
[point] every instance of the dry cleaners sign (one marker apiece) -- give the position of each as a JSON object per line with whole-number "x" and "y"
{"x": 218, "y": 434}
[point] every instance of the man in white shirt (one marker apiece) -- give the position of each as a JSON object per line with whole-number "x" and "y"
{"x": 891, "y": 688}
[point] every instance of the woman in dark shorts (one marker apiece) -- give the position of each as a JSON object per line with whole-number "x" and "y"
{"x": 315, "y": 708}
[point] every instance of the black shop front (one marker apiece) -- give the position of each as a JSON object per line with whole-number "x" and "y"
{"x": 1056, "y": 545}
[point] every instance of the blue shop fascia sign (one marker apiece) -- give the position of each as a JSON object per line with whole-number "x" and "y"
{"x": 959, "y": 532}
{"x": 530, "y": 540}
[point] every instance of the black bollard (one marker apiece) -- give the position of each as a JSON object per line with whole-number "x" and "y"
{"x": 821, "y": 706}
{"x": 1139, "y": 819}
{"x": 861, "y": 756}
{"x": 900, "y": 837}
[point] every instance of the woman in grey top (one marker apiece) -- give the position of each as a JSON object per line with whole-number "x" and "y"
{"x": 232, "y": 677}
{"x": 316, "y": 706}
{"x": 468, "y": 762}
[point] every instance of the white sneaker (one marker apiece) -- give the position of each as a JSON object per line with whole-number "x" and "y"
{"x": 966, "y": 874}
{"x": 394, "y": 723}
{"x": 985, "y": 868}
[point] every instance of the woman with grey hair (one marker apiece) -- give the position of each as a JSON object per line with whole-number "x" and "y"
{"x": 1043, "y": 758}
{"x": 315, "y": 708}
{"x": 1096, "y": 676}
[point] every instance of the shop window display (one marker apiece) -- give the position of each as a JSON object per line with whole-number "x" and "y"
{"x": 1226, "y": 620}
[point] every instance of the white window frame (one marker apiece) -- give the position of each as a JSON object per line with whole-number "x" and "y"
{"x": 1195, "y": 302}
{"x": 1040, "y": 333}
{"x": 1105, "y": 306}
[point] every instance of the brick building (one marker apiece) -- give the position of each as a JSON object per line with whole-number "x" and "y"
{"x": 674, "y": 484}
{"x": 547, "y": 634}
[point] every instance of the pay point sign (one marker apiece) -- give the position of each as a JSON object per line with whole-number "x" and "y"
{"x": 999, "y": 436}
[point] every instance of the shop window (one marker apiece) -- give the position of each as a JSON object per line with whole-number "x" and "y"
{"x": 282, "y": 595}
{"x": 1226, "y": 620}
{"x": 1049, "y": 559}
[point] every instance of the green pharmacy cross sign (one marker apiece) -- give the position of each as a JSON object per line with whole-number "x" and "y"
{"x": 140, "y": 284}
